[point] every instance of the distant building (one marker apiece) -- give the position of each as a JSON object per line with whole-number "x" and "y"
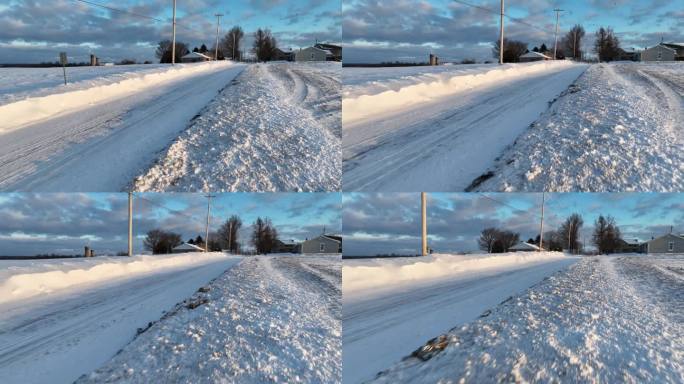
{"x": 524, "y": 247}
{"x": 185, "y": 248}
{"x": 669, "y": 243}
{"x": 320, "y": 244}
{"x": 312, "y": 54}
{"x": 629, "y": 55}
{"x": 282, "y": 247}
{"x": 280, "y": 55}
{"x": 335, "y": 51}
{"x": 634, "y": 246}
{"x": 195, "y": 57}
{"x": 660, "y": 52}
{"x": 533, "y": 56}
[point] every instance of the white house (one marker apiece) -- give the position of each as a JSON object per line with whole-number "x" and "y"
{"x": 669, "y": 243}
{"x": 320, "y": 244}
{"x": 533, "y": 56}
{"x": 523, "y": 247}
{"x": 185, "y": 248}
{"x": 195, "y": 57}
{"x": 312, "y": 54}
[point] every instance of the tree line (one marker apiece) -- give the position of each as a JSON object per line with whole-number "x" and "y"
{"x": 264, "y": 238}
{"x": 606, "y": 236}
{"x": 606, "y": 46}
{"x": 264, "y": 46}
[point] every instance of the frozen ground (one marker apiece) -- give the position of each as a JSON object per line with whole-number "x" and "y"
{"x": 61, "y": 319}
{"x": 619, "y": 127}
{"x": 269, "y": 319}
{"x": 438, "y": 131}
{"x": 605, "y": 319}
{"x": 67, "y": 141}
{"x": 392, "y": 306}
{"x": 276, "y": 129}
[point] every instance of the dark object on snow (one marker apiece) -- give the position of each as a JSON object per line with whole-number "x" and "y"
{"x": 204, "y": 289}
{"x": 196, "y": 302}
{"x": 431, "y": 348}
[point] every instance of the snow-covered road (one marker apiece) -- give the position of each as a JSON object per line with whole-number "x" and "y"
{"x": 380, "y": 330}
{"x": 454, "y": 130}
{"x": 57, "y": 337}
{"x": 269, "y": 319}
{"x": 605, "y": 319}
{"x": 119, "y": 136}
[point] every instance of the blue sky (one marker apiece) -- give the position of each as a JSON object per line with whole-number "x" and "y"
{"x": 390, "y": 223}
{"x": 408, "y": 30}
{"x": 64, "y": 223}
{"x": 37, "y": 30}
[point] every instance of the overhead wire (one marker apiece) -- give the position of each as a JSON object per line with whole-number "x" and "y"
{"x": 495, "y": 12}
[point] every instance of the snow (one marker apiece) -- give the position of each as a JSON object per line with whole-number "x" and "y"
{"x": 438, "y": 131}
{"x": 71, "y": 329}
{"x": 119, "y": 138}
{"x": 276, "y": 129}
{"x": 383, "y": 325}
{"x": 617, "y": 128}
{"x": 605, "y": 319}
{"x": 269, "y": 319}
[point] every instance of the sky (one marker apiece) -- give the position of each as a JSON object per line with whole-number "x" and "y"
{"x": 35, "y": 31}
{"x": 64, "y": 223}
{"x": 408, "y": 30}
{"x": 375, "y": 223}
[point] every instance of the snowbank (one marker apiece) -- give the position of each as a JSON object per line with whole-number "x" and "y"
{"x": 38, "y": 277}
{"x": 35, "y": 108}
{"x": 381, "y": 96}
{"x": 363, "y": 275}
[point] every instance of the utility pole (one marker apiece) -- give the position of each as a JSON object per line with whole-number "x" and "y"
{"x": 423, "y": 207}
{"x": 501, "y": 34}
{"x": 230, "y": 237}
{"x": 541, "y": 225}
{"x": 206, "y": 239}
{"x": 555, "y": 46}
{"x": 234, "y": 44}
{"x": 130, "y": 223}
{"x": 218, "y": 22}
{"x": 173, "y": 41}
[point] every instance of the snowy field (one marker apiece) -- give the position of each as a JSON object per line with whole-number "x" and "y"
{"x": 392, "y": 306}
{"x": 269, "y": 319}
{"x": 525, "y": 127}
{"x": 278, "y": 128}
{"x": 60, "y": 319}
{"x": 216, "y": 125}
{"x": 605, "y": 319}
{"x": 439, "y": 131}
{"x": 617, "y": 128}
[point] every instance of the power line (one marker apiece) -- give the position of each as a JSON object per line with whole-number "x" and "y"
{"x": 159, "y": 205}
{"x": 514, "y": 19}
{"x": 503, "y": 203}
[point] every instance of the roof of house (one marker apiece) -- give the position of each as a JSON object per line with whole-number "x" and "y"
{"x": 329, "y": 45}
{"x": 188, "y": 247}
{"x": 329, "y": 237}
{"x": 661, "y": 45}
{"x": 523, "y": 246}
{"x": 196, "y": 54}
{"x": 316, "y": 48}
{"x": 535, "y": 55}
{"x": 668, "y": 235}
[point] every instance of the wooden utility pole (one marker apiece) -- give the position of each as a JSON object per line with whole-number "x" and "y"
{"x": 541, "y": 226}
{"x": 501, "y": 34}
{"x": 130, "y": 223}
{"x": 423, "y": 206}
{"x": 555, "y": 47}
{"x": 173, "y": 40}
{"x": 230, "y": 237}
{"x": 218, "y": 22}
{"x": 206, "y": 239}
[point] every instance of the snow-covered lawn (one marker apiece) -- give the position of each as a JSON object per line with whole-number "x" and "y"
{"x": 269, "y": 319}
{"x": 60, "y": 319}
{"x": 617, "y": 128}
{"x": 392, "y": 306}
{"x": 278, "y": 128}
{"x": 437, "y": 131}
{"x": 605, "y": 319}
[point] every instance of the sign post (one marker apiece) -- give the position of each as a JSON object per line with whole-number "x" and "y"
{"x": 63, "y": 61}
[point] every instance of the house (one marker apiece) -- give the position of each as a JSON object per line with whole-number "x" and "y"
{"x": 661, "y": 52}
{"x": 312, "y": 54}
{"x": 524, "y": 247}
{"x": 280, "y": 55}
{"x": 282, "y": 247}
{"x": 679, "y": 50}
{"x": 186, "y": 247}
{"x": 533, "y": 56}
{"x": 335, "y": 50}
{"x": 634, "y": 246}
{"x": 629, "y": 54}
{"x": 669, "y": 243}
{"x": 195, "y": 57}
{"x": 320, "y": 244}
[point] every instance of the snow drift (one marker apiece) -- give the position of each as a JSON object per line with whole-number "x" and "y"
{"x": 375, "y": 274}
{"x": 39, "y": 277}
{"x": 382, "y": 96}
{"x": 35, "y": 108}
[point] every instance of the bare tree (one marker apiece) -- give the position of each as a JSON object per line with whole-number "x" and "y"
{"x": 569, "y": 232}
{"x": 606, "y": 235}
{"x": 264, "y": 235}
{"x": 487, "y": 239}
{"x": 572, "y": 42}
{"x": 229, "y": 234}
{"x": 513, "y": 49}
{"x": 163, "y": 51}
{"x": 505, "y": 240}
{"x": 264, "y": 44}
{"x": 607, "y": 45}
{"x": 230, "y": 43}
{"x": 159, "y": 241}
